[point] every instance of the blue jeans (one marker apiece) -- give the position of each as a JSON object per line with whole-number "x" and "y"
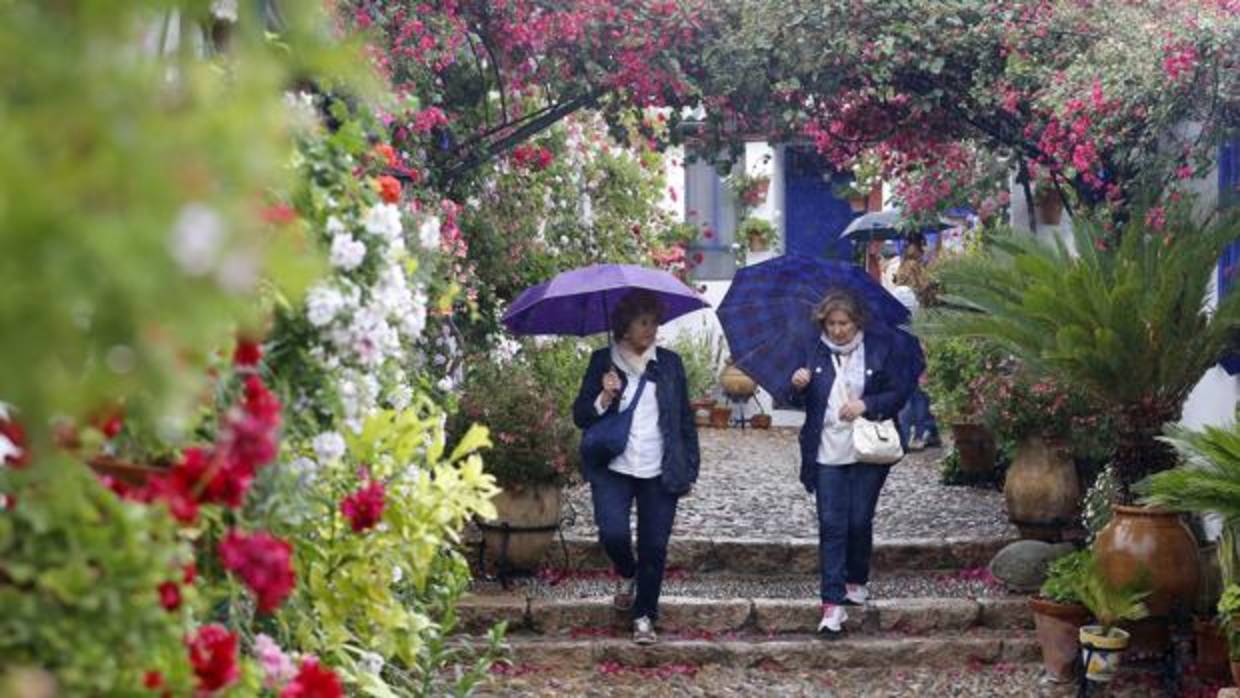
{"x": 613, "y": 495}
{"x": 915, "y": 419}
{"x": 847, "y": 496}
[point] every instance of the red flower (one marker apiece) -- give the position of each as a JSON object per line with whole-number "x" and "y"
{"x": 313, "y": 680}
{"x": 247, "y": 353}
{"x": 387, "y": 152}
{"x": 263, "y": 562}
{"x": 169, "y": 596}
{"x": 213, "y": 656}
{"x": 153, "y": 680}
{"x": 190, "y": 574}
{"x": 428, "y": 119}
{"x": 364, "y": 507}
{"x": 389, "y": 188}
{"x": 280, "y": 214}
{"x": 17, "y": 436}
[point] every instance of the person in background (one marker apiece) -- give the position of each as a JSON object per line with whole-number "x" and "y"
{"x": 659, "y": 463}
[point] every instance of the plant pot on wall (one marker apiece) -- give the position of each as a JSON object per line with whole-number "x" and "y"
{"x": 977, "y": 449}
{"x": 760, "y": 421}
{"x": 526, "y": 521}
{"x": 1057, "y": 626}
{"x": 1154, "y": 543}
{"x": 757, "y": 244}
{"x": 1042, "y": 491}
{"x": 858, "y": 203}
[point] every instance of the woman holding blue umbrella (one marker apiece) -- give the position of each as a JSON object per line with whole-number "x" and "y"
{"x": 855, "y": 369}
{"x": 660, "y": 457}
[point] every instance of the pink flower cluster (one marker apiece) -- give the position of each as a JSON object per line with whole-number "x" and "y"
{"x": 263, "y": 562}
{"x": 364, "y": 508}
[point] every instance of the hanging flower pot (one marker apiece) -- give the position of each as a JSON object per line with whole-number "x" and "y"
{"x": 1101, "y": 652}
{"x": 1050, "y": 206}
{"x": 857, "y": 204}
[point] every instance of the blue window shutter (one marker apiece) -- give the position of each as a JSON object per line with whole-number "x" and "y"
{"x": 1229, "y": 263}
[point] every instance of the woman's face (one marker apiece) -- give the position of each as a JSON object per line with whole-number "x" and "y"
{"x": 642, "y": 332}
{"x": 840, "y": 327}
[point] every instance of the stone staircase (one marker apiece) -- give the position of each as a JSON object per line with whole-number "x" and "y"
{"x": 753, "y": 603}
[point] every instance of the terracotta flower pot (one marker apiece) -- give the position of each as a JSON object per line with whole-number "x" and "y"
{"x": 1042, "y": 491}
{"x": 977, "y": 449}
{"x": 757, "y": 244}
{"x": 1058, "y": 625}
{"x": 760, "y": 421}
{"x": 857, "y": 204}
{"x": 701, "y": 411}
{"x": 1211, "y": 650}
{"x": 526, "y": 522}
{"x": 1155, "y": 543}
{"x": 1235, "y": 672}
{"x": 720, "y": 417}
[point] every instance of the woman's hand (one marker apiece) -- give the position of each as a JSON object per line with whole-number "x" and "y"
{"x": 852, "y": 409}
{"x": 611, "y": 388}
{"x": 800, "y": 379}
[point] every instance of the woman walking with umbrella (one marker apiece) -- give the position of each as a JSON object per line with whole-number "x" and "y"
{"x": 640, "y": 443}
{"x": 660, "y": 459}
{"x": 849, "y": 373}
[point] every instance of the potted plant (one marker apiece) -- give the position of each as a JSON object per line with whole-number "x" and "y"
{"x": 749, "y": 190}
{"x": 762, "y": 420}
{"x": 1040, "y": 416}
{"x": 1229, "y": 619}
{"x": 700, "y": 350}
{"x": 1058, "y": 614}
{"x": 533, "y": 453}
{"x": 1103, "y": 644}
{"x": 953, "y": 365}
{"x": 758, "y": 232}
{"x": 1123, "y": 319}
{"x": 866, "y": 181}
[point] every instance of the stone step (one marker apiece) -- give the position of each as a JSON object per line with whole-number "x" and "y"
{"x": 786, "y": 556}
{"x": 788, "y": 652}
{"x": 760, "y": 617}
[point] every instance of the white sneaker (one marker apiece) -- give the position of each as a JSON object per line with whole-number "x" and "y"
{"x": 643, "y": 631}
{"x": 833, "y": 618}
{"x": 856, "y": 594}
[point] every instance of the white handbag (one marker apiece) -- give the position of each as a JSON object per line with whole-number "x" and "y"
{"x": 877, "y": 443}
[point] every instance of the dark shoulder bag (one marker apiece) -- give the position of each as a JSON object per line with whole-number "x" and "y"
{"x": 606, "y": 438}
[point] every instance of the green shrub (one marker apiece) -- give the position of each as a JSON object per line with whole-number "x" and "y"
{"x": 1064, "y": 575}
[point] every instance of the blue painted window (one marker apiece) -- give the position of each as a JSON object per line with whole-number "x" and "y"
{"x": 1229, "y": 263}
{"x": 708, "y": 204}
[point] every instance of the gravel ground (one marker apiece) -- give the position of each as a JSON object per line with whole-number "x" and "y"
{"x": 977, "y": 681}
{"x": 966, "y": 584}
{"x": 748, "y": 487}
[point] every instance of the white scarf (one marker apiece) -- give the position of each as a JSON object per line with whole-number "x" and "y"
{"x": 630, "y": 363}
{"x": 848, "y": 347}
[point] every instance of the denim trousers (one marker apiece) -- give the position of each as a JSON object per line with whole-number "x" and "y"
{"x": 613, "y": 495}
{"x": 915, "y": 419}
{"x": 847, "y": 496}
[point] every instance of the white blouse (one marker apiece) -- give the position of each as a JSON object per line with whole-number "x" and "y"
{"x": 643, "y": 454}
{"x": 836, "y": 446}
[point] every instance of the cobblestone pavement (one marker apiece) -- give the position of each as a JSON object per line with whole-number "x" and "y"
{"x": 748, "y": 487}
{"x": 976, "y": 681}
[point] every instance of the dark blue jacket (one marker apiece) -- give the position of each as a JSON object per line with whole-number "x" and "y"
{"x": 893, "y": 363}
{"x": 680, "y": 441}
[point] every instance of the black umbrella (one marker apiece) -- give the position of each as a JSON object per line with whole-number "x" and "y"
{"x": 886, "y": 225}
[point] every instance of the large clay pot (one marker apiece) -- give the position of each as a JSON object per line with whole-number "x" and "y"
{"x": 736, "y": 383}
{"x": 1157, "y": 542}
{"x": 510, "y": 545}
{"x": 1042, "y": 490}
{"x": 1058, "y": 625}
{"x": 977, "y": 449}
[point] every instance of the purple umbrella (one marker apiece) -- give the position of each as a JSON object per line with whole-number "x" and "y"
{"x": 579, "y": 302}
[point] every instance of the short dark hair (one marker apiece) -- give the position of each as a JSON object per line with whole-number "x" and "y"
{"x": 841, "y": 299}
{"x": 632, "y": 306}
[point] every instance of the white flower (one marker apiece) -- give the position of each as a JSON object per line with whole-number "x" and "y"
{"x": 329, "y": 446}
{"x": 322, "y": 304}
{"x": 347, "y": 253}
{"x": 397, "y": 574}
{"x": 334, "y": 226}
{"x": 224, "y": 10}
{"x": 7, "y": 449}
{"x": 383, "y": 220}
{"x": 428, "y": 233}
{"x": 4, "y": 410}
{"x": 446, "y": 384}
{"x": 372, "y": 662}
{"x": 414, "y": 319}
{"x": 196, "y": 239}
{"x": 400, "y": 396}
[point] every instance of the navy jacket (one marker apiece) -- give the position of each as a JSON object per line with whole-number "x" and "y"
{"x": 893, "y": 363}
{"x": 680, "y": 441}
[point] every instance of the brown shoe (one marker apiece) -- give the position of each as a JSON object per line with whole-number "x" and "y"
{"x": 623, "y": 600}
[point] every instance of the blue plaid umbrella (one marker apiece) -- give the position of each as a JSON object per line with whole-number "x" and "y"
{"x": 767, "y": 313}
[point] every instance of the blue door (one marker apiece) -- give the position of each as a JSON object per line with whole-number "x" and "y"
{"x": 813, "y": 216}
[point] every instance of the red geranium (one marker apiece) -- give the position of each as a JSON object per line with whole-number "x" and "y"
{"x": 364, "y": 507}
{"x": 247, "y": 353}
{"x": 170, "y": 596}
{"x": 389, "y": 188}
{"x": 213, "y": 656}
{"x": 313, "y": 680}
{"x": 263, "y": 562}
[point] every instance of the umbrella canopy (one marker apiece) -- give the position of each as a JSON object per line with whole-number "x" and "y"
{"x": 579, "y": 302}
{"x": 883, "y": 225}
{"x": 767, "y": 313}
